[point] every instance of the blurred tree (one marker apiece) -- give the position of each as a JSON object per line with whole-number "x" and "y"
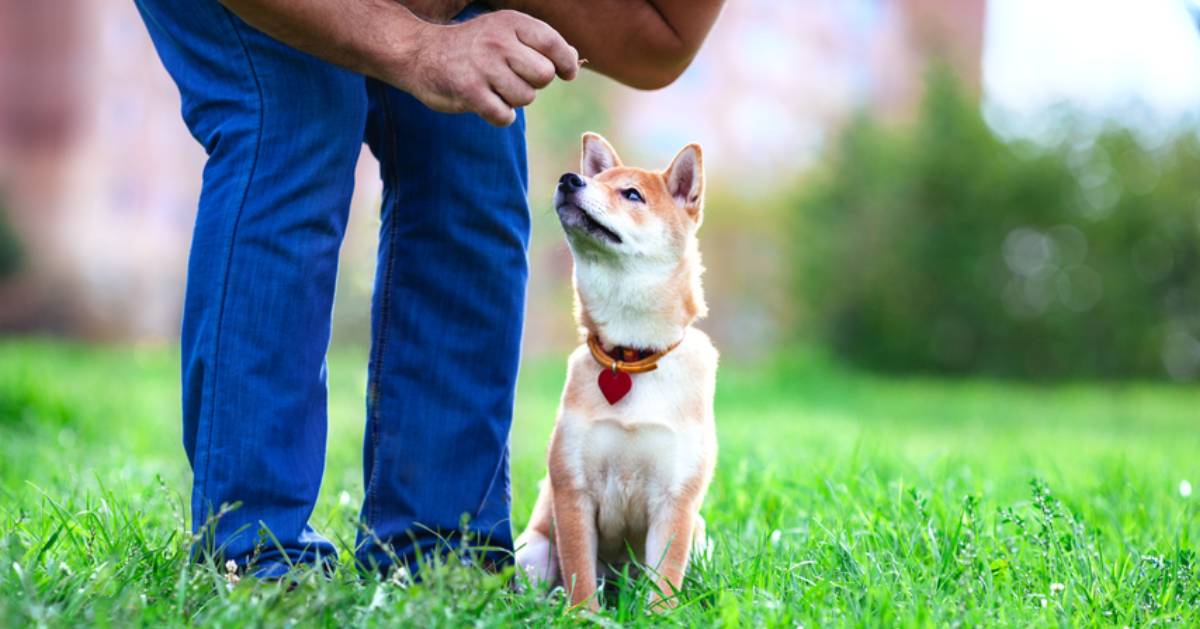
{"x": 945, "y": 248}
{"x": 10, "y": 246}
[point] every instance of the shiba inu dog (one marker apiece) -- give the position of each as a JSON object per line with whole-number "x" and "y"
{"x": 635, "y": 443}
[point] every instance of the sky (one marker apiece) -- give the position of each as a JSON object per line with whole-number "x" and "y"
{"x": 1099, "y": 56}
{"x": 798, "y": 63}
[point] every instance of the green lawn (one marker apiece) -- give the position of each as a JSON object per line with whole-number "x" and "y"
{"x": 840, "y": 499}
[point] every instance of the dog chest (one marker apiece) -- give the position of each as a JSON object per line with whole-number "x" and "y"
{"x": 630, "y": 471}
{"x": 628, "y": 455}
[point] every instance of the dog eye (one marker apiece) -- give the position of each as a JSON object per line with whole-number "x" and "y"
{"x": 633, "y": 195}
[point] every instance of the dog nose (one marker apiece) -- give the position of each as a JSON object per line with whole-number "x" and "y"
{"x": 570, "y": 182}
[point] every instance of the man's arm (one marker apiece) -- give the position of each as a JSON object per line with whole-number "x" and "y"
{"x": 489, "y": 65}
{"x": 646, "y": 44}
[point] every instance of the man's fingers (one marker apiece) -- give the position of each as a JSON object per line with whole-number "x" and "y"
{"x": 531, "y": 66}
{"x": 539, "y": 36}
{"x": 493, "y": 65}
{"x": 510, "y": 87}
{"x": 493, "y": 109}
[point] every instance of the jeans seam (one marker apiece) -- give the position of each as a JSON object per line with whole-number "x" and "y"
{"x": 229, "y": 258}
{"x": 496, "y": 473}
{"x": 384, "y": 305}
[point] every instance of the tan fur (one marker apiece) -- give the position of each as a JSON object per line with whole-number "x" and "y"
{"x": 631, "y": 474}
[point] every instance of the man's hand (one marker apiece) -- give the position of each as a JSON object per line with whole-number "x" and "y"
{"x": 490, "y": 65}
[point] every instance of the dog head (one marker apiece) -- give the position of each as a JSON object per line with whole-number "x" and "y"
{"x": 632, "y": 233}
{"x": 617, "y": 214}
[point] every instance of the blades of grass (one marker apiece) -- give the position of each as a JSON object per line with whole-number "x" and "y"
{"x": 50, "y": 541}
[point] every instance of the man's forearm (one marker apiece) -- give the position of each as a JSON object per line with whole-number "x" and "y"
{"x": 643, "y": 43}
{"x": 490, "y": 65}
{"x": 371, "y": 37}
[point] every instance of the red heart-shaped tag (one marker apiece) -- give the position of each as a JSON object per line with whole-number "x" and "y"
{"x": 614, "y": 385}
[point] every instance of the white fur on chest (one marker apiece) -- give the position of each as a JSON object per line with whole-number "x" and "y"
{"x": 630, "y": 471}
{"x": 634, "y": 458}
{"x": 617, "y": 302}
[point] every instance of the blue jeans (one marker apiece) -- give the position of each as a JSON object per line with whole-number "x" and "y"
{"x": 283, "y": 131}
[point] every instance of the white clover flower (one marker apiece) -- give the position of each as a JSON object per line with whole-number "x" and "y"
{"x": 400, "y": 577}
{"x": 776, "y": 535}
{"x": 1056, "y": 588}
{"x": 231, "y": 574}
{"x": 1185, "y": 488}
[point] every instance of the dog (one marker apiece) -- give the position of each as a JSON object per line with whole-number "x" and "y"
{"x": 634, "y": 444}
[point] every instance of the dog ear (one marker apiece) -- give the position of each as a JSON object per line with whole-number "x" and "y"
{"x": 598, "y": 155}
{"x": 685, "y": 180}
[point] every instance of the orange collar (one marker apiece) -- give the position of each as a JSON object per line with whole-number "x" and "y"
{"x": 627, "y": 359}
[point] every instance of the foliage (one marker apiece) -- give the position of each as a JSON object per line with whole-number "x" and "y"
{"x": 840, "y": 499}
{"x": 944, "y": 247}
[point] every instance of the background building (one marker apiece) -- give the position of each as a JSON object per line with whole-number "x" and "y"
{"x": 100, "y": 177}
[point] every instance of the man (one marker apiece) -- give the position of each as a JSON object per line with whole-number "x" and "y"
{"x": 281, "y": 93}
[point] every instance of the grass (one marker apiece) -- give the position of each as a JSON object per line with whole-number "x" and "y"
{"x": 840, "y": 499}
